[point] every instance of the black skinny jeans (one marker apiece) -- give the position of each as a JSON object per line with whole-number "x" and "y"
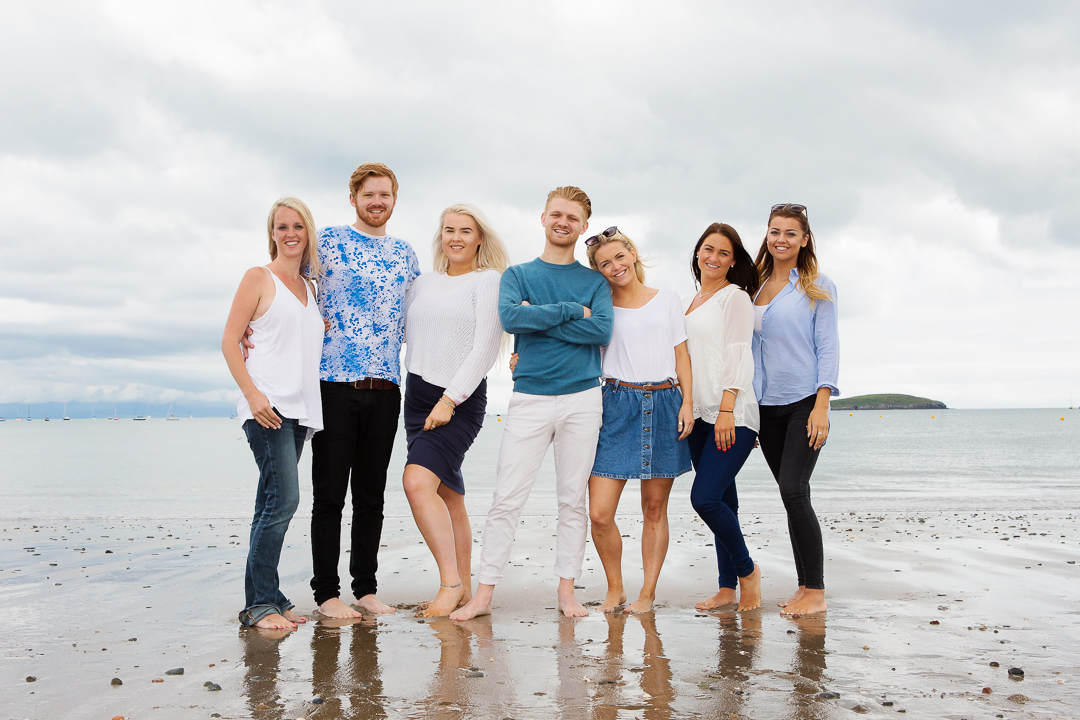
{"x": 785, "y": 445}
{"x": 353, "y": 451}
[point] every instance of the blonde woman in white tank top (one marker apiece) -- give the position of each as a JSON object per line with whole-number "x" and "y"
{"x": 279, "y": 404}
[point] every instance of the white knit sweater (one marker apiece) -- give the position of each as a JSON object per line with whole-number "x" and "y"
{"x": 452, "y": 329}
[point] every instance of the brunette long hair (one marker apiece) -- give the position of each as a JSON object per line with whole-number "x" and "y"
{"x": 742, "y": 272}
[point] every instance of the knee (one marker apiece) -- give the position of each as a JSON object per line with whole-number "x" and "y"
{"x": 414, "y": 487}
{"x": 653, "y": 510}
{"x": 601, "y": 521}
{"x": 701, "y": 501}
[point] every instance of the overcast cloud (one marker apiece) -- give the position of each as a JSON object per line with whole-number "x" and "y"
{"x": 937, "y": 146}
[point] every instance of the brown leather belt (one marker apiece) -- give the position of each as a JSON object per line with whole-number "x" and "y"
{"x": 371, "y": 384}
{"x": 638, "y": 386}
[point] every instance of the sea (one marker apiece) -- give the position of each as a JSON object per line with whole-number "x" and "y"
{"x": 875, "y": 461}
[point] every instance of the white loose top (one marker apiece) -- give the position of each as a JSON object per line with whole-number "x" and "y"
{"x": 284, "y": 364}
{"x": 452, "y": 329}
{"x": 720, "y": 332}
{"x": 642, "y": 347}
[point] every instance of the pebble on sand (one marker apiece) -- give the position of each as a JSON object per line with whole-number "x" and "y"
{"x": 1016, "y": 672}
{"x": 213, "y": 687}
{"x": 116, "y": 681}
{"x": 860, "y": 709}
{"x": 118, "y": 717}
{"x": 158, "y": 680}
{"x": 995, "y": 663}
{"x": 31, "y": 678}
{"x": 828, "y": 695}
{"x": 175, "y": 671}
{"x": 474, "y": 674}
{"x": 987, "y": 691}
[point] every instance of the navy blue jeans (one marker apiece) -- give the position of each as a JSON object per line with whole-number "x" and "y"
{"x": 277, "y": 453}
{"x": 715, "y": 499}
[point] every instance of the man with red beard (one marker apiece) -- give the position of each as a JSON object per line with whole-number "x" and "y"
{"x": 362, "y": 298}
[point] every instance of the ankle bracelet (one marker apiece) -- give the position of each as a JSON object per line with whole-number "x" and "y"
{"x": 450, "y": 586}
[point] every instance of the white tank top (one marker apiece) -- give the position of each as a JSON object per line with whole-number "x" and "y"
{"x": 284, "y": 364}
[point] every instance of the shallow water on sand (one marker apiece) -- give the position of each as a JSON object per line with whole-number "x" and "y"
{"x": 891, "y": 460}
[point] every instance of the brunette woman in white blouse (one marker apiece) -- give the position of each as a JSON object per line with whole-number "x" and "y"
{"x": 452, "y": 336}
{"x": 720, "y": 328}
{"x": 647, "y": 415}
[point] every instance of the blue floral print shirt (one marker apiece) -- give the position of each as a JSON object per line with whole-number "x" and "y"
{"x": 362, "y": 294}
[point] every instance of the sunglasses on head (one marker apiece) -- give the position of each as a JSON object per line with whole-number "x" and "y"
{"x": 610, "y": 232}
{"x": 794, "y": 207}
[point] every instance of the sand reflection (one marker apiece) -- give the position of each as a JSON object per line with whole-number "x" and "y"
{"x": 808, "y": 667}
{"x": 262, "y": 663}
{"x": 349, "y": 686}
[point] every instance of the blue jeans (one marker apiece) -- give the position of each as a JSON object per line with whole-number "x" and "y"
{"x": 715, "y": 499}
{"x": 277, "y": 453}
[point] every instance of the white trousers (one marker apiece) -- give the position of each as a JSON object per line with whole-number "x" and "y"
{"x": 533, "y": 422}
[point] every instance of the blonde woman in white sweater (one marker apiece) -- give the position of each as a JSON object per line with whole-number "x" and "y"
{"x": 452, "y": 336}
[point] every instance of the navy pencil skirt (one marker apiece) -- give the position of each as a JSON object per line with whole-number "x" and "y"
{"x": 442, "y": 449}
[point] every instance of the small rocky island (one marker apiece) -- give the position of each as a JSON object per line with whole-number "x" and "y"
{"x": 886, "y": 402}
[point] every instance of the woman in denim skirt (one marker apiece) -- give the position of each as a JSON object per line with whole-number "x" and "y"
{"x": 279, "y": 404}
{"x": 647, "y": 414}
{"x": 719, "y": 327}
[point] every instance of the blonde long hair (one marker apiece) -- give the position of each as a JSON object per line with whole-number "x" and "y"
{"x": 490, "y": 255}
{"x": 602, "y": 240}
{"x": 310, "y": 267}
{"x": 807, "y": 260}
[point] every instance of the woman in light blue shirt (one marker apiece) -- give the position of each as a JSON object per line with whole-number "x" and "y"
{"x": 796, "y": 362}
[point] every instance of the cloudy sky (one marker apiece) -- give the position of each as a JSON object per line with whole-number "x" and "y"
{"x": 936, "y": 145}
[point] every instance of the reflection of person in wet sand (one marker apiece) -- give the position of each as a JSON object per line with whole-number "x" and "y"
{"x": 560, "y": 312}
{"x": 279, "y": 399}
{"x": 262, "y": 664}
{"x": 357, "y": 692}
{"x": 720, "y": 326}
{"x": 796, "y": 359}
{"x": 452, "y": 335}
{"x": 647, "y": 414}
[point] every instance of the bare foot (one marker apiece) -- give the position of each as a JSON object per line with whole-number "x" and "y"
{"x": 479, "y": 605}
{"x": 569, "y": 604}
{"x": 794, "y": 598}
{"x": 612, "y": 600}
{"x": 750, "y": 590}
{"x": 294, "y": 618}
{"x": 336, "y": 609}
{"x": 640, "y": 606}
{"x": 811, "y": 603}
{"x": 445, "y": 602}
{"x": 726, "y": 596}
{"x": 374, "y": 605}
{"x": 274, "y": 621}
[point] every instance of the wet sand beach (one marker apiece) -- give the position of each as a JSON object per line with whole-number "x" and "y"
{"x": 928, "y": 612}
{"x": 950, "y": 537}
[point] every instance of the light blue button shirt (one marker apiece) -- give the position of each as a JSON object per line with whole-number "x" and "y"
{"x": 362, "y": 294}
{"x": 797, "y": 350}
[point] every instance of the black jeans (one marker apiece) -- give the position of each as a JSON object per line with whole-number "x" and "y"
{"x": 352, "y": 451}
{"x": 786, "y": 448}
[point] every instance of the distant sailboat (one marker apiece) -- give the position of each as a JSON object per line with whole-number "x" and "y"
{"x": 65, "y": 412}
{"x": 169, "y": 415}
{"x": 46, "y": 414}
{"x": 92, "y": 412}
{"x": 114, "y": 415}
{"x": 137, "y": 416}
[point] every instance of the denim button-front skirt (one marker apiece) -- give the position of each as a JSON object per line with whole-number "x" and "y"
{"x": 640, "y": 435}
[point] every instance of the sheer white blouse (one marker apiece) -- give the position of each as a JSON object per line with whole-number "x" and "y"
{"x": 719, "y": 334}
